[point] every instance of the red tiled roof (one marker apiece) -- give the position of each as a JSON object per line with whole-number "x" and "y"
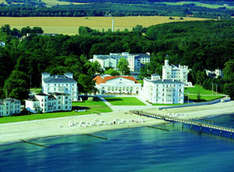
{"x": 100, "y": 80}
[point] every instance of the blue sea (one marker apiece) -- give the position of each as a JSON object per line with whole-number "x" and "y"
{"x": 141, "y": 149}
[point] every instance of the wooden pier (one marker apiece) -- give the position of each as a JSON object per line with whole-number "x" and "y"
{"x": 196, "y": 125}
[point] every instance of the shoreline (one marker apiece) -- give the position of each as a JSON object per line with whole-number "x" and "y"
{"x": 86, "y": 124}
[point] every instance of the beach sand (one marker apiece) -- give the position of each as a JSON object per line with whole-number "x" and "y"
{"x": 15, "y": 132}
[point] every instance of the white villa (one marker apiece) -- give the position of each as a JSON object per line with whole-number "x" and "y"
{"x": 60, "y": 84}
{"x": 135, "y": 61}
{"x": 49, "y": 103}
{"x": 9, "y": 106}
{"x": 163, "y": 91}
{"x": 107, "y": 84}
{"x": 214, "y": 74}
{"x": 179, "y": 73}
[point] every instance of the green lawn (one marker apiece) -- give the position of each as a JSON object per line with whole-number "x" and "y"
{"x": 205, "y": 95}
{"x": 130, "y": 101}
{"x": 35, "y": 90}
{"x": 90, "y": 106}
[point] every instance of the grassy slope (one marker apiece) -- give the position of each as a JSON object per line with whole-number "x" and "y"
{"x": 91, "y": 106}
{"x": 205, "y": 95}
{"x": 131, "y": 101}
{"x": 70, "y": 25}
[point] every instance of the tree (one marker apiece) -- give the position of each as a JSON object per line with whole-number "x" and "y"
{"x": 229, "y": 89}
{"x": 138, "y": 29}
{"x": 16, "y": 86}
{"x": 112, "y": 72}
{"x": 200, "y": 77}
{"x": 228, "y": 71}
{"x": 123, "y": 66}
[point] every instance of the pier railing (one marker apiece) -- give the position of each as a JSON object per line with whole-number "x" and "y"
{"x": 202, "y": 126}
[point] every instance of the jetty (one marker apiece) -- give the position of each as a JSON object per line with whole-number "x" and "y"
{"x": 200, "y": 126}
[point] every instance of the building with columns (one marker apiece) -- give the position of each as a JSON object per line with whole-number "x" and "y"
{"x": 107, "y": 84}
{"x": 60, "y": 84}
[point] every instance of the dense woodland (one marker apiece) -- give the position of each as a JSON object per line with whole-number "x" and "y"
{"x": 200, "y": 45}
{"x": 24, "y": 8}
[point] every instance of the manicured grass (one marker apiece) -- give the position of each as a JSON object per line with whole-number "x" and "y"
{"x": 90, "y": 106}
{"x": 97, "y": 106}
{"x": 128, "y": 101}
{"x": 35, "y": 90}
{"x": 70, "y": 25}
{"x": 205, "y": 95}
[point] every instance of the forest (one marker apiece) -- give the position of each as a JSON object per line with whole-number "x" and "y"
{"x": 24, "y": 8}
{"x": 199, "y": 44}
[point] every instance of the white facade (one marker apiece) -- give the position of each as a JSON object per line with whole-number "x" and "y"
{"x": 117, "y": 85}
{"x": 135, "y": 61}
{"x": 214, "y": 74}
{"x": 161, "y": 91}
{"x": 9, "y": 107}
{"x": 60, "y": 84}
{"x": 49, "y": 103}
{"x": 179, "y": 73}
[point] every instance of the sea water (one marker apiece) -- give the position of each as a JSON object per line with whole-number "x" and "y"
{"x": 127, "y": 150}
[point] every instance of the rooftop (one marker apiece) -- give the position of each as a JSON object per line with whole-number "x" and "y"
{"x": 100, "y": 79}
{"x": 59, "y": 79}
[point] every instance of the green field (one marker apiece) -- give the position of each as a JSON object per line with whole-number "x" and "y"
{"x": 127, "y": 101}
{"x": 90, "y": 106}
{"x": 213, "y": 6}
{"x": 205, "y": 95}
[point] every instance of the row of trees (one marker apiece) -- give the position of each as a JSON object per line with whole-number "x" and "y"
{"x": 100, "y": 8}
{"x": 24, "y": 58}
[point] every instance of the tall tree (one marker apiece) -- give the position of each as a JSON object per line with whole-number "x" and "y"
{"x": 16, "y": 86}
{"x": 228, "y": 71}
{"x": 123, "y": 66}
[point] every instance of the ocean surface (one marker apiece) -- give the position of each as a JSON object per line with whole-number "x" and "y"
{"x": 144, "y": 149}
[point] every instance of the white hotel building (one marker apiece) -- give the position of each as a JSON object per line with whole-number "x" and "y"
{"x": 107, "y": 84}
{"x": 163, "y": 91}
{"x": 135, "y": 61}
{"x": 173, "y": 72}
{"x": 9, "y": 106}
{"x": 60, "y": 84}
{"x": 49, "y": 103}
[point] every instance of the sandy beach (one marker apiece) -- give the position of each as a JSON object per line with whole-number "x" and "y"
{"x": 84, "y": 124}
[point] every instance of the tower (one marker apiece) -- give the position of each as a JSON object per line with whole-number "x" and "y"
{"x": 113, "y": 22}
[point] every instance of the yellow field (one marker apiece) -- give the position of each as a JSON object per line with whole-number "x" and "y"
{"x": 70, "y": 25}
{"x": 2, "y": 1}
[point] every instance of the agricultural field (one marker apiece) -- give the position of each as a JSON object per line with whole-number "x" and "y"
{"x": 50, "y": 3}
{"x": 212, "y": 6}
{"x": 70, "y": 25}
{"x": 2, "y": 2}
